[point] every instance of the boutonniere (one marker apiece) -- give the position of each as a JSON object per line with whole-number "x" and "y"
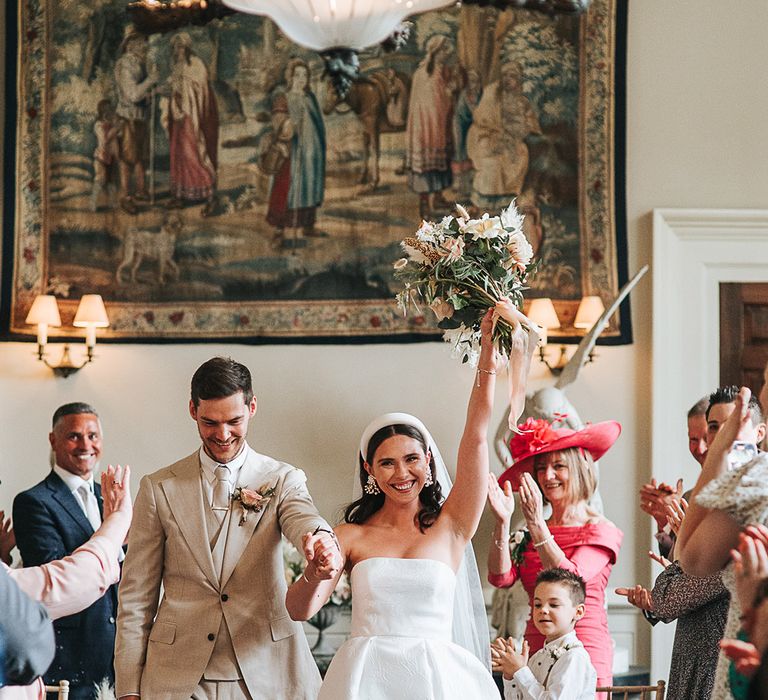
{"x": 518, "y": 543}
{"x": 252, "y": 500}
{"x": 557, "y": 652}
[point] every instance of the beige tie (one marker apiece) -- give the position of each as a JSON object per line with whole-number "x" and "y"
{"x": 91, "y": 506}
{"x": 221, "y": 495}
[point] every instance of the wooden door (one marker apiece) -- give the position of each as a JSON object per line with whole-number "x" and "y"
{"x": 743, "y": 334}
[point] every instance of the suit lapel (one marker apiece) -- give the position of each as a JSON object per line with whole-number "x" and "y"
{"x": 63, "y": 496}
{"x": 251, "y": 476}
{"x": 185, "y": 499}
{"x": 99, "y": 499}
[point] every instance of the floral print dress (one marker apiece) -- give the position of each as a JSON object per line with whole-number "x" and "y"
{"x": 743, "y": 494}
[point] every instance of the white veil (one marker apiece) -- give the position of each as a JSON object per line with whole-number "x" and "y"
{"x": 470, "y": 622}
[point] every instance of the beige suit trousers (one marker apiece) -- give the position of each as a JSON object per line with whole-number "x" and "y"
{"x": 221, "y": 690}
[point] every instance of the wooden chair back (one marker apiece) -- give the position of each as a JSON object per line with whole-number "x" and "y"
{"x": 629, "y": 692}
{"x": 62, "y": 690}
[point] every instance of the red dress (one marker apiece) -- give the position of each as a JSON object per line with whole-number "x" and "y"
{"x": 590, "y": 551}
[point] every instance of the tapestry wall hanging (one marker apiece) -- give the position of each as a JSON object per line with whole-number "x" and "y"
{"x": 210, "y": 183}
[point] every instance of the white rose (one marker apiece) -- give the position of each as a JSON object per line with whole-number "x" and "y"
{"x": 520, "y": 251}
{"x": 517, "y": 538}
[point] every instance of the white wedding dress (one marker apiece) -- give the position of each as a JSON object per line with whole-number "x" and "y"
{"x": 400, "y": 644}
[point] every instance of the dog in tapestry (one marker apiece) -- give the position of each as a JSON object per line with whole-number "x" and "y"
{"x": 139, "y": 244}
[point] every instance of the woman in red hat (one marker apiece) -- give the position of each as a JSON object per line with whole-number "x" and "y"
{"x": 556, "y": 466}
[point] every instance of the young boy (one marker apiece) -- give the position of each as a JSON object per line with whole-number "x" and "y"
{"x": 561, "y": 670}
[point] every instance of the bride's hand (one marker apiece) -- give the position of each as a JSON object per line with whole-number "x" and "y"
{"x": 490, "y": 359}
{"x": 323, "y": 555}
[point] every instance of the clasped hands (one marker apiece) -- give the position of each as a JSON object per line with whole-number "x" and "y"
{"x": 506, "y": 659}
{"x": 323, "y": 554}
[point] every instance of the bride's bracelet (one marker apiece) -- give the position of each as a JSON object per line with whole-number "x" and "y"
{"x": 546, "y": 540}
{"x": 480, "y": 371}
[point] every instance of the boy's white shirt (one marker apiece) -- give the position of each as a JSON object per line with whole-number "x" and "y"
{"x": 560, "y": 670}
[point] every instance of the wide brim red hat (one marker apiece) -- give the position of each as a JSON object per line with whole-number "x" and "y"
{"x": 538, "y": 437}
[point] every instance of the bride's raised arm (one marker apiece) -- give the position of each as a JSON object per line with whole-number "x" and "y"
{"x": 465, "y": 503}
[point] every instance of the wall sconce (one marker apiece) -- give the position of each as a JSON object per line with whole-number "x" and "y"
{"x": 542, "y": 311}
{"x": 90, "y": 315}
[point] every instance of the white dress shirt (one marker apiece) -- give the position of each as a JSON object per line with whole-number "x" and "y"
{"x": 208, "y": 471}
{"x": 74, "y": 482}
{"x": 560, "y": 670}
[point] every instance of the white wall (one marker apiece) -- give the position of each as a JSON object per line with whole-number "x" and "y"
{"x": 697, "y": 97}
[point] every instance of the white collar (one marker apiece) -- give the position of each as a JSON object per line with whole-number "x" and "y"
{"x": 209, "y": 464}
{"x": 73, "y": 481}
{"x": 565, "y": 640}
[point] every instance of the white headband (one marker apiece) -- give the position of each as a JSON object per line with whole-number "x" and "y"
{"x": 393, "y": 419}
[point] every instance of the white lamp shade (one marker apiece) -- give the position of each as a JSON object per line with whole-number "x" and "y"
{"x": 542, "y": 311}
{"x": 44, "y": 310}
{"x": 589, "y": 311}
{"x": 91, "y": 312}
{"x": 327, "y": 24}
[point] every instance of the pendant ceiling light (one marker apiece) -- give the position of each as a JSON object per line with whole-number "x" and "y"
{"x": 329, "y": 24}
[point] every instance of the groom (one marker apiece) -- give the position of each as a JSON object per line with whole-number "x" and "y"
{"x": 221, "y": 631}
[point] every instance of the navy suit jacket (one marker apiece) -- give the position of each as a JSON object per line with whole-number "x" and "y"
{"x": 50, "y": 524}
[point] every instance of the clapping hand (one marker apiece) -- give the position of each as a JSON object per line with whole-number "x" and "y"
{"x": 750, "y": 566}
{"x": 659, "y": 559}
{"x": 639, "y": 597}
{"x": 502, "y": 501}
{"x": 745, "y": 656}
{"x": 531, "y": 501}
{"x": 116, "y": 491}
{"x": 506, "y": 659}
{"x": 676, "y": 514}
{"x": 654, "y": 499}
{"x": 7, "y": 539}
{"x": 734, "y": 428}
{"x": 322, "y": 551}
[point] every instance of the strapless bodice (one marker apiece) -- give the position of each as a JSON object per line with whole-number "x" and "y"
{"x": 400, "y": 642}
{"x": 402, "y": 598}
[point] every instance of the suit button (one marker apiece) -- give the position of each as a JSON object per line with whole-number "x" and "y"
{"x": 211, "y": 637}
{"x": 111, "y": 620}
{"x": 224, "y": 597}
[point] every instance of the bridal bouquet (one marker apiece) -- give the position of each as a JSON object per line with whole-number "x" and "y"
{"x": 460, "y": 267}
{"x": 294, "y": 563}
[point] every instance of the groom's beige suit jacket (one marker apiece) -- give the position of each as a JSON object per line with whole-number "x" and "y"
{"x": 163, "y": 646}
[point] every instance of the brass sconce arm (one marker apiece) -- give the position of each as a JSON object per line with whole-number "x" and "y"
{"x": 66, "y": 366}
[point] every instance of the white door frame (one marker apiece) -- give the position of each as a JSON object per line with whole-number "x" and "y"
{"x": 693, "y": 251}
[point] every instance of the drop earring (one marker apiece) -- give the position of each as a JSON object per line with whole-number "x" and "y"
{"x": 371, "y": 487}
{"x": 429, "y": 480}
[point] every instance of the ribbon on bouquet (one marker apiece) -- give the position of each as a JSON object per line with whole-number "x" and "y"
{"x": 526, "y": 336}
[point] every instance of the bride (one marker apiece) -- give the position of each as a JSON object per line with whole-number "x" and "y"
{"x": 409, "y": 555}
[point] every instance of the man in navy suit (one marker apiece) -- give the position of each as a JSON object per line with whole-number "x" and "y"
{"x": 54, "y": 518}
